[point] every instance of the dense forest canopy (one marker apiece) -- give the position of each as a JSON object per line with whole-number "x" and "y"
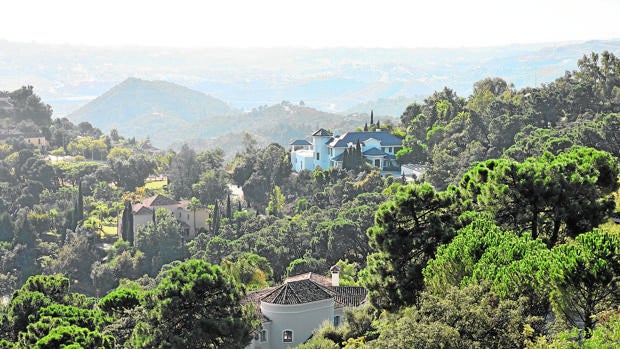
{"x": 505, "y": 242}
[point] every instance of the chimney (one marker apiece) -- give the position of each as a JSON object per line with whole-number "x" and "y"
{"x": 335, "y": 270}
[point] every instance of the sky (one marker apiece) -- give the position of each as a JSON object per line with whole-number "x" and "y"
{"x": 308, "y": 23}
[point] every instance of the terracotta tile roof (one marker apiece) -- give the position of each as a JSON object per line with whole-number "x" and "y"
{"x": 303, "y": 288}
{"x": 158, "y": 200}
{"x": 349, "y": 296}
{"x": 140, "y": 209}
{"x": 297, "y": 292}
{"x": 255, "y": 297}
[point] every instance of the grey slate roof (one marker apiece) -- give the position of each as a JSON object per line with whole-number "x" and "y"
{"x": 387, "y": 139}
{"x": 300, "y": 142}
{"x": 374, "y": 152}
{"x": 322, "y": 133}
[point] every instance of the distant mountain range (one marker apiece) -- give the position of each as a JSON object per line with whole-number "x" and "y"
{"x": 143, "y": 108}
{"x": 89, "y": 83}
{"x": 171, "y": 114}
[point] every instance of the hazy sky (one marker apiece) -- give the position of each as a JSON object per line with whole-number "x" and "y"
{"x": 308, "y": 23}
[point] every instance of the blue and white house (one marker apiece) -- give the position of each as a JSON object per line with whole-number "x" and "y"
{"x": 327, "y": 150}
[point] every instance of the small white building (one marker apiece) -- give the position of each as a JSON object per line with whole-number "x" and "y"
{"x": 304, "y": 155}
{"x": 291, "y": 312}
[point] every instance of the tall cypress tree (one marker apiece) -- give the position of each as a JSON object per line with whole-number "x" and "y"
{"x": 130, "y": 234}
{"x": 125, "y": 221}
{"x": 216, "y": 218}
{"x": 228, "y": 208}
{"x": 78, "y": 208}
{"x": 358, "y": 155}
{"x": 371, "y": 117}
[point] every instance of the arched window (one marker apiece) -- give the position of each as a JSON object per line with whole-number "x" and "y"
{"x": 287, "y": 336}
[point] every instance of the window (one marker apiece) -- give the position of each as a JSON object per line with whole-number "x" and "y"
{"x": 336, "y": 321}
{"x": 318, "y": 156}
{"x": 287, "y": 336}
{"x": 263, "y": 336}
{"x": 390, "y": 149}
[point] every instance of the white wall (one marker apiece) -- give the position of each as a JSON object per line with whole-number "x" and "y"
{"x": 319, "y": 146}
{"x": 302, "y": 319}
{"x": 141, "y": 220}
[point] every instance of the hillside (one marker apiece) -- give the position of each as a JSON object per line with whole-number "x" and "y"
{"x": 385, "y": 106}
{"x": 280, "y": 123}
{"x": 141, "y": 108}
{"x": 171, "y": 114}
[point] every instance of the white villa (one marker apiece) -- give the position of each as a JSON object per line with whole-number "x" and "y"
{"x": 144, "y": 212}
{"x": 327, "y": 150}
{"x": 291, "y": 312}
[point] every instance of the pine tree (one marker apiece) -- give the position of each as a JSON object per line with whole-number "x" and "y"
{"x": 371, "y": 117}
{"x": 366, "y": 127}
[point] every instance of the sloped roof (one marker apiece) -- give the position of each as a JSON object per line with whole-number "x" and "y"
{"x": 158, "y": 200}
{"x": 297, "y": 292}
{"x": 140, "y": 209}
{"x": 387, "y": 139}
{"x": 322, "y": 133}
{"x": 338, "y": 157}
{"x": 374, "y": 152}
{"x": 255, "y": 297}
{"x": 349, "y": 296}
{"x": 301, "y": 142}
{"x": 306, "y": 288}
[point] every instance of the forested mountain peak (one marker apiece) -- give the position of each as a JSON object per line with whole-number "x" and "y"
{"x": 158, "y": 105}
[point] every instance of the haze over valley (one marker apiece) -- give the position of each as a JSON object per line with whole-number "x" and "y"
{"x": 107, "y": 86}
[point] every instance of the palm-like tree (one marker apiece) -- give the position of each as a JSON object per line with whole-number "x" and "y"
{"x": 194, "y": 204}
